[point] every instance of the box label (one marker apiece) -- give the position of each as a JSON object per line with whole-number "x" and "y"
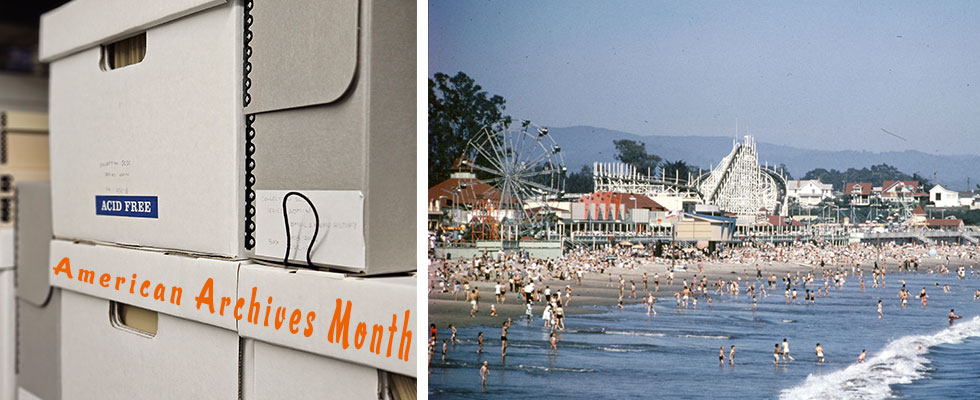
{"x": 126, "y": 206}
{"x": 339, "y": 240}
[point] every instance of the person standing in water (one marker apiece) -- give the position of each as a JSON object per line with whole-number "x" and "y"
{"x": 721, "y": 356}
{"x": 819, "y": 351}
{"x": 484, "y": 373}
{"x": 786, "y": 350}
{"x": 479, "y": 340}
{"x": 731, "y": 355}
{"x": 775, "y": 354}
{"x": 554, "y": 344}
{"x": 503, "y": 339}
{"x": 863, "y": 354}
{"x": 879, "y": 309}
{"x": 953, "y": 317}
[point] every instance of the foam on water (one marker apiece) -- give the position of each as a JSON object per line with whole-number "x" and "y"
{"x": 903, "y": 360}
{"x": 657, "y": 334}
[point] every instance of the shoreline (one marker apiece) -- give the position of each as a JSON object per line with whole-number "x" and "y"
{"x": 595, "y": 292}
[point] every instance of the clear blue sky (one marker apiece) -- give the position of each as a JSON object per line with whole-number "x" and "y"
{"x": 823, "y": 75}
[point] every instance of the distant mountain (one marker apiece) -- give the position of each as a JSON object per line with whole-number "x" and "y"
{"x": 583, "y": 145}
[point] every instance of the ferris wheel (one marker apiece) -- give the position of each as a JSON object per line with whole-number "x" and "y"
{"x": 526, "y": 166}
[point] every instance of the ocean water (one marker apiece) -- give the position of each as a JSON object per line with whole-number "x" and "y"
{"x": 913, "y": 353}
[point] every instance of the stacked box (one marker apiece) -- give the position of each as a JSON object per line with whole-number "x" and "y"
{"x": 38, "y": 304}
{"x": 23, "y": 156}
{"x": 328, "y": 90}
{"x": 132, "y": 328}
{"x": 8, "y": 320}
{"x": 189, "y": 136}
{"x": 366, "y": 321}
{"x": 347, "y": 143}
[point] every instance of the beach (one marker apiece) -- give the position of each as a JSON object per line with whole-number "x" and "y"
{"x": 630, "y": 353}
{"x": 594, "y": 291}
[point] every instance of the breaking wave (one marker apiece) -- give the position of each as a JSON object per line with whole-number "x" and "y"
{"x": 902, "y": 361}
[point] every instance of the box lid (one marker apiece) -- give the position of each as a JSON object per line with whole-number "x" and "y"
{"x": 380, "y": 306}
{"x": 81, "y": 24}
{"x": 299, "y": 53}
{"x": 190, "y": 274}
{"x": 33, "y": 230}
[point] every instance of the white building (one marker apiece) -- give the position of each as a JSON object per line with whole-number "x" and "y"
{"x": 809, "y": 192}
{"x": 943, "y": 197}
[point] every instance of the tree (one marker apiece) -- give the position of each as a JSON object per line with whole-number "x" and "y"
{"x": 580, "y": 182}
{"x": 876, "y": 175}
{"x": 458, "y": 109}
{"x": 679, "y": 168}
{"x": 635, "y": 153}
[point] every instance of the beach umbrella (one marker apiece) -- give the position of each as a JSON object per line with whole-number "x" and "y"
{"x": 625, "y": 243}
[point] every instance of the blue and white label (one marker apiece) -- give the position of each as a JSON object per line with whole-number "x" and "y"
{"x": 126, "y": 206}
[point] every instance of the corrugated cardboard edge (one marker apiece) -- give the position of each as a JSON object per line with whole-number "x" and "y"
{"x": 81, "y": 24}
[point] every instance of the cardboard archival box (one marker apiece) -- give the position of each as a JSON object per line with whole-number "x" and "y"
{"x": 330, "y": 92}
{"x": 104, "y": 358}
{"x": 39, "y": 356}
{"x": 8, "y": 335}
{"x": 23, "y": 140}
{"x": 274, "y": 372}
{"x": 376, "y": 305}
{"x": 6, "y": 248}
{"x": 33, "y": 241}
{"x": 351, "y": 135}
{"x": 162, "y": 137}
{"x": 119, "y": 344}
{"x": 39, "y": 307}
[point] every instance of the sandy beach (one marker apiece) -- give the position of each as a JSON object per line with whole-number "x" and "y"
{"x": 595, "y": 290}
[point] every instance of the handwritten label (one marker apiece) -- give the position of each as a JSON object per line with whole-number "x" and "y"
{"x": 340, "y": 240}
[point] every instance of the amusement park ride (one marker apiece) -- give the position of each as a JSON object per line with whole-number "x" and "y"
{"x": 527, "y": 169}
{"x": 522, "y": 172}
{"x": 738, "y": 184}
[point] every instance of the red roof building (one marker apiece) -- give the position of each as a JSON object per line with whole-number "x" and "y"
{"x": 946, "y": 224}
{"x": 859, "y": 192}
{"x": 902, "y": 191}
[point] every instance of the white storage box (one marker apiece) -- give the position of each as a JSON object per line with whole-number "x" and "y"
{"x": 106, "y": 357}
{"x": 348, "y": 142}
{"x": 274, "y": 372}
{"x": 38, "y": 304}
{"x": 329, "y": 89}
{"x": 367, "y": 321}
{"x": 8, "y": 335}
{"x": 162, "y": 137}
{"x": 132, "y": 326}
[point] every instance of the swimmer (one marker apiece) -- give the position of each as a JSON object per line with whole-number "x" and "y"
{"x": 863, "y": 354}
{"x": 953, "y": 317}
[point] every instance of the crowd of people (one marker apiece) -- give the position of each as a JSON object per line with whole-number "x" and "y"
{"x": 816, "y": 270}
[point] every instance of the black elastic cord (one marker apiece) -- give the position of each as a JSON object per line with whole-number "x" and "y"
{"x": 316, "y": 228}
